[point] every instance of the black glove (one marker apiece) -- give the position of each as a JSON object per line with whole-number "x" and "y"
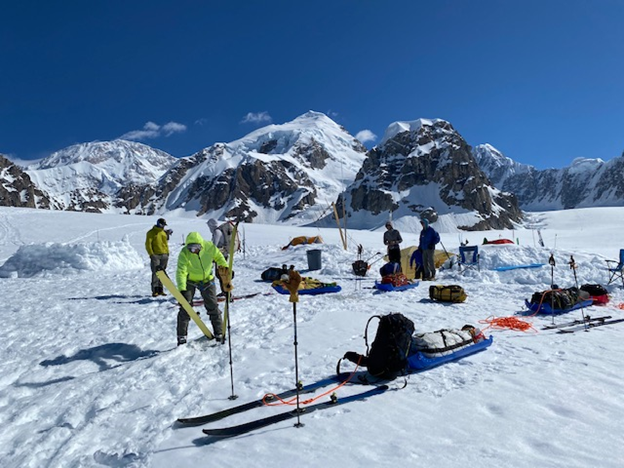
{"x": 352, "y": 356}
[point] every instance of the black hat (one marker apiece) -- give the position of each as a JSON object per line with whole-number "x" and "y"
{"x": 161, "y": 222}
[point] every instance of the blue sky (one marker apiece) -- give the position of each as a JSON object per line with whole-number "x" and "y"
{"x": 542, "y": 81}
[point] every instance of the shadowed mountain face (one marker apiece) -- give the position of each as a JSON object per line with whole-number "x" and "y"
{"x": 423, "y": 164}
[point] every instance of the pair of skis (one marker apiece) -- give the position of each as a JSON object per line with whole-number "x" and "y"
{"x": 580, "y": 325}
{"x": 267, "y": 421}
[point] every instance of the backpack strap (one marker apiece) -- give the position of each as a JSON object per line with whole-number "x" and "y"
{"x": 366, "y": 332}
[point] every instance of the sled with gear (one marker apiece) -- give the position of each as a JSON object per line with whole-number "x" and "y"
{"x": 388, "y": 287}
{"x": 558, "y": 301}
{"x": 310, "y": 286}
{"x": 448, "y": 293}
{"x": 393, "y": 279}
{"x": 597, "y": 293}
{"x": 396, "y": 350}
{"x": 435, "y": 348}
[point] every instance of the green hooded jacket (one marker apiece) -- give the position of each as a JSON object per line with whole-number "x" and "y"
{"x": 197, "y": 268}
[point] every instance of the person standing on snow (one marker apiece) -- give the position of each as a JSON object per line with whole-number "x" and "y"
{"x": 218, "y": 239}
{"x": 392, "y": 238}
{"x": 428, "y": 240}
{"x": 195, "y": 272}
{"x": 157, "y": 246}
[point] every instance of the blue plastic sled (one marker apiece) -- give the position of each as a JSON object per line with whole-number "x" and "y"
{"x": 334, "y": 288}
{"x": 547, "y": 309}
{"x": 388, "y": 287}
{"x": 419, "y": 362}
{"x": 515, "y": 267}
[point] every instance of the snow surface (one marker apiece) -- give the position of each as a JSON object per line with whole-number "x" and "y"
{"x": 90, "y": 374}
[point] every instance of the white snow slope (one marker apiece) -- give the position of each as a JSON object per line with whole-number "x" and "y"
{"x": 90, "y": 375}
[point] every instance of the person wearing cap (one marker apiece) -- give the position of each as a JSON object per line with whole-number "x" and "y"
{"x": 194, "y": 272}
{"x": 392, "y": 238}
{"x": 157, "y": 246}
{"x": 428, "y": 240}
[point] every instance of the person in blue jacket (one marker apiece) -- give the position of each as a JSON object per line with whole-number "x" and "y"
{"x": 428, "y": 240}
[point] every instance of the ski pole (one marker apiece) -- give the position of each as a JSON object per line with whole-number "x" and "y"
{"x": 298, "y": 384}
{"x": 447, "y": 254}
{"x": 233, "y": 396}
{"x": 573, "y": 267}
{"x": 551, "y": 261}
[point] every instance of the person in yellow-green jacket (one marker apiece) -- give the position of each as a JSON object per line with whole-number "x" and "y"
{"x": 157, "y": 246}
{"x": 195, "y": 272}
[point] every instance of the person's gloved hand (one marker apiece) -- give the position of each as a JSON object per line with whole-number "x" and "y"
{"x": 224, "y": 274}
{"x": 292, "y": 284}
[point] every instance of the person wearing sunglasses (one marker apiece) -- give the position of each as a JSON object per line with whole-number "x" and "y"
{"x": 194, "y": 272}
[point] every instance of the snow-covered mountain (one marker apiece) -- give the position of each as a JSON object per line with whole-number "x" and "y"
{"x": 280, "y": 173}
{"x": 17, "y": 189}
{"x": 90, "y": 176}
{"x": 585, "y": 183}
{"x": 287, "y": 173}
{"x": 420, "y": 165}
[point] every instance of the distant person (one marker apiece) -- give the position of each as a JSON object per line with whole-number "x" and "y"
{"x": 221, "y": 238}
{"x": 392, "y": 238}
{"x": 157, "y": 246}
{"x": 218, "y": 239}
{"x": 195, "y": 272}
{"x": 416, "y": 262}
{"x": 428, "y": 240}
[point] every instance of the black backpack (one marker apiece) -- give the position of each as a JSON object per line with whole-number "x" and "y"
{"x": 273, "y": 273}
{"x": 594, "y": 289}
{"x": 388, "y": 353}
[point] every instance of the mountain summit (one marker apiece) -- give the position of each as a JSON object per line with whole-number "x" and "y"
{"x": 423, "y": 166}
{"x": 287, "y": 173}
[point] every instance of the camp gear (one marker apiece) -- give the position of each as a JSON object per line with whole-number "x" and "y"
{"x": 468, "y": 258}
{"x": 450, "y": 293}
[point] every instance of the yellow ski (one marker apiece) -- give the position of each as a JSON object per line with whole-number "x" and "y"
{"x": 162, "y": 276}
{"x": 226, "y": 312}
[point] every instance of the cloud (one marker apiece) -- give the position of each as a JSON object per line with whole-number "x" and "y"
{"x": 153, "y": 130}
{"x": 257, "y": 117}
{"x": 365, "y": 136}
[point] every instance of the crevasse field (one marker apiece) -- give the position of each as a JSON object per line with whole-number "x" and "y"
{"x": 90, "y": 374}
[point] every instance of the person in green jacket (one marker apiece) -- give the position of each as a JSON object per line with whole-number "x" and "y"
{"x": 157, "y": 246}
{"x": 195, "y": 272}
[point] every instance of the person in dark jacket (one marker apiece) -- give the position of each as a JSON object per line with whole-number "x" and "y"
{"x": 428, "y": 240}
{"x": 392, "y": 239}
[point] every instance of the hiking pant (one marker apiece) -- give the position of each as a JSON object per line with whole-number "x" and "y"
{"x": 158, "y": 262}
{"x": 394, "y": 254}
{"x": 209, "y": 295}
{"x": 428, "y": 264}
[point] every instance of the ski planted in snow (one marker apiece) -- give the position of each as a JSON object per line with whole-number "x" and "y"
{"x": 166, "y": 281}
{"x": 199, "y": 420}
{"x": 264, "y": 422}
{"x": 590, "y": 325}
{"x": 226, "y": 311}
{"x": 588, "y": 319}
